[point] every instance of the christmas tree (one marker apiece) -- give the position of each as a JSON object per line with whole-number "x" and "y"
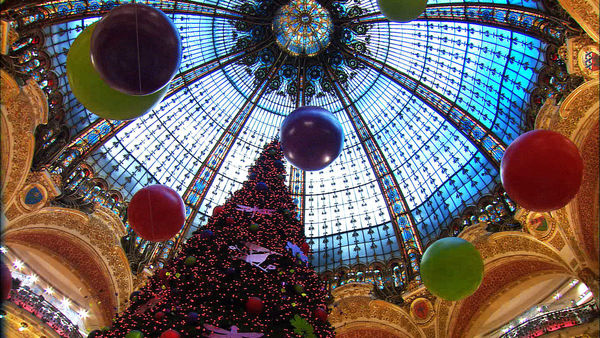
{"x": 245, "y": 274}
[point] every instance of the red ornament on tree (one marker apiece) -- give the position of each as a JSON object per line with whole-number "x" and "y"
{"x": 321, "y": 314}
{"x": 161, "y": 274}
{"x": 159, "y": 316}
{"x": 254, "y": 305}
{"x": 156, "y": 213}
{"x": 170, "y": 334}
{"x": 217, "y": 211}
{"x": 230, "y": 220}
{"x": 6, "y": 280}
{"x": 305, "y": 248}
{"x": 541, "y": 170}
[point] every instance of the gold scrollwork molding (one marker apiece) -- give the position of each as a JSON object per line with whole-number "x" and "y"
{"x": 23, "y": 109}
{"x": 352, "y": 290}
{"x": 580, "y": 54}
{"x": 577, "y": 112}
{"x": 585, "y": 12}
{"x": 8, "y": 36}
{"x": 582, "y": 212}
{"x": 516, "y": 244}
{"x": 493, "y": 246}
{"x": 36, "y": 193}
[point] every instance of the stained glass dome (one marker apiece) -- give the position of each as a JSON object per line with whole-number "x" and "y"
{"x": 302, "y": 27}
{"x": 427, "y": 107}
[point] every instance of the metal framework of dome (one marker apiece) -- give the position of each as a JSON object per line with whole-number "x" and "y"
{"x": 427, "y": 108}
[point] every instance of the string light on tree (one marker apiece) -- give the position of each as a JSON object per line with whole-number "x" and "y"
{"x": 233, "y": 278}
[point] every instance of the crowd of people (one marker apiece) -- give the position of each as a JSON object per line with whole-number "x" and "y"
{"x": 35, "y": 304}
{"x": 554, "y": 321}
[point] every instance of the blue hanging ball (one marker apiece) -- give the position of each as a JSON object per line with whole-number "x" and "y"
{"x": 206, "y": 234}
{"x": 252, "y": 176}
{"x": 261, "y": 186}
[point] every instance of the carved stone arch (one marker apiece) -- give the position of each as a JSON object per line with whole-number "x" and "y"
{"x": 394, "y": 262}
{"x": 88, "y": 245}
{"x": 369, "y": 329}
{"x": 355, "y": 314}
{"x": 513, "y": 262}
{"x": 581, "y": 107}
{"x": 577, "y": 118}
{"x": 377, "y": 265}
{"x": 116, "y": 195}
{"x": 342, "y": 270}
{"x": 358, "y": 267}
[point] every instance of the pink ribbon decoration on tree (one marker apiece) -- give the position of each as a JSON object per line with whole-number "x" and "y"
{"x": 231, "y": 333}
{"x": 150, "y": 304}
{"x": 254, "y": 210}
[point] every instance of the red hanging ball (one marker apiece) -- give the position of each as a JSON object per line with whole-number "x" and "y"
{"x": 170, "y": 334}
{"x": 156, "y": 213}
{"x": 541, "y": 170}
{"x": 159, "y": 316}
{"x": 230, "y": 220}
{"x": 254, "y": 305}
{"x": 217, "y": 211}
{"x": 305, "y": 248}
{"x": 6, "y": 280}
{"x": 321, "y": 314}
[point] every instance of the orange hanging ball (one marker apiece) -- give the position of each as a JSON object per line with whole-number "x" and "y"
{"x": 156, "y": 213}
{"x": 541, "y": 170}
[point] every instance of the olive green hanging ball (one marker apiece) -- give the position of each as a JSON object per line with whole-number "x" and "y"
{"x": 402, "y": 10}
{"x": 452, "y": 268}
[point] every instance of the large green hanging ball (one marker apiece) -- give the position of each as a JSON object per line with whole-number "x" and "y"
{"x": 95, "y": 94}
{"x": 402, "y": 10}
{"x": 451, "y": 268}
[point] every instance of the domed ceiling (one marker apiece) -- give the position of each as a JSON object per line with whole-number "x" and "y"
{"x": 427, "y": 109}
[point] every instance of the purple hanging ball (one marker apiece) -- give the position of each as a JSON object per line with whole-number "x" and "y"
{"x": 311, "y": 138}
{"x": 136, "y": 49}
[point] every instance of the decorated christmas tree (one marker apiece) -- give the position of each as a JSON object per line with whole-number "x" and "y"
{"x": 244, "y": 274}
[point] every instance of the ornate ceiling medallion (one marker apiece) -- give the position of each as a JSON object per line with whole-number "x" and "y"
{"x": 312, "y": 35}
{"x": 303, "y": 27}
